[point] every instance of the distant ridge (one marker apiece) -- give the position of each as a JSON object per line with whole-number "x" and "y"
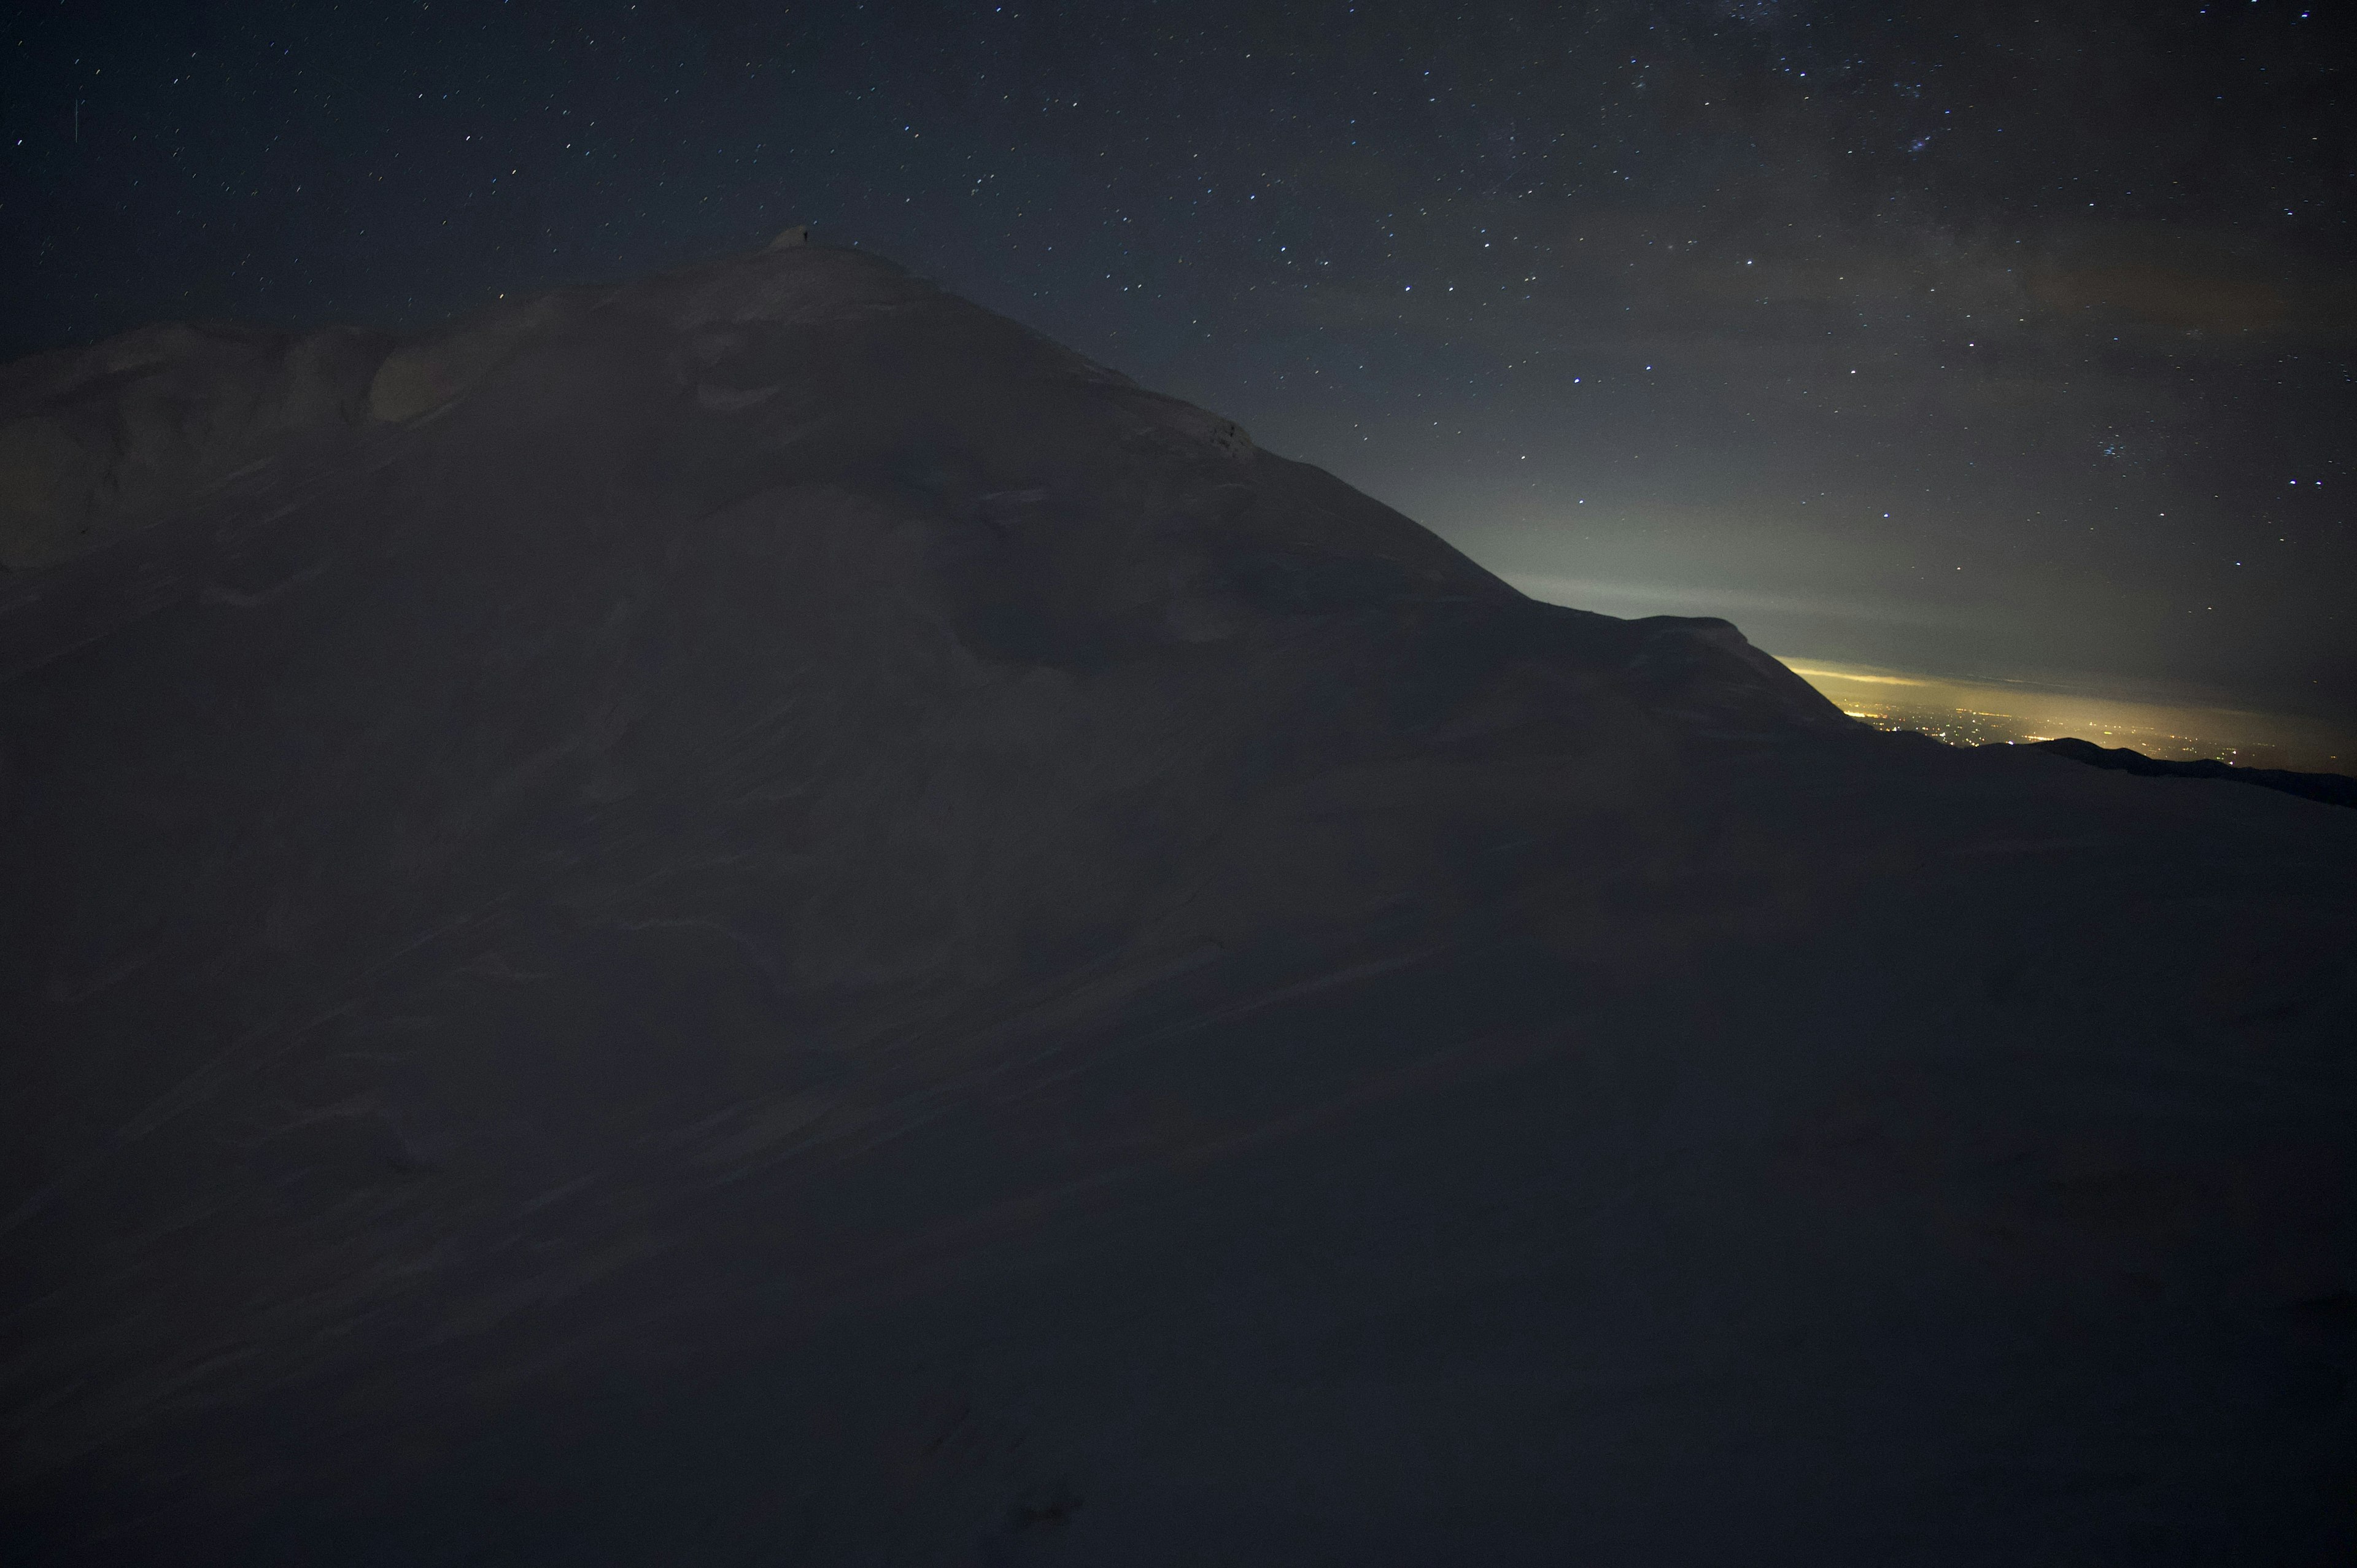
{"x": 2332, "y": 789}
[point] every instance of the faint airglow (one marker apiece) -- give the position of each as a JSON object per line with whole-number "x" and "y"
{"x": 1637, "y": 599}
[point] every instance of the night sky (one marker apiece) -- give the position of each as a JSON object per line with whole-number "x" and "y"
{"x": 2008, "y": 340}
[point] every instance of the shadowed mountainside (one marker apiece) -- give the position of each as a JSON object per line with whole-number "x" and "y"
{"x": 2334, "y": 789}
{"x": 757, "y": 915}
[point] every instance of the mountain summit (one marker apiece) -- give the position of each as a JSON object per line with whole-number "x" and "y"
{"x": 757, "y": 915}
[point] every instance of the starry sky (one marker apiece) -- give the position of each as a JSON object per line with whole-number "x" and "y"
{"x": 2009, "y": 341}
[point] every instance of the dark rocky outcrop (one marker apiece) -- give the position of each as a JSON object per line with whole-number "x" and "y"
{"x": 757, "y": 917}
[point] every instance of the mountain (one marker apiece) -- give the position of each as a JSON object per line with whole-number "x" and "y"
{"x": 2336, "y": 789}
{"x": 757, "y": 917}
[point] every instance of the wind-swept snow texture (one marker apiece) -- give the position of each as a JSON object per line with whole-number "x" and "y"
{"x": 756, "y": 918}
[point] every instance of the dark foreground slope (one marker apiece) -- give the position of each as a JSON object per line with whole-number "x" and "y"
{"x": 758, "y": 919}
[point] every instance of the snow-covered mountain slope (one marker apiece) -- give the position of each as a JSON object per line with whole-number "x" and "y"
{"x": 756, "y": 917}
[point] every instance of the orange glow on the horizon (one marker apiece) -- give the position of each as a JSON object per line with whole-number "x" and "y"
{"x": 1975, "y": 713}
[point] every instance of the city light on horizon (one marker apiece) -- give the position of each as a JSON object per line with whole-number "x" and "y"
{"x": 1968, "y": 711}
